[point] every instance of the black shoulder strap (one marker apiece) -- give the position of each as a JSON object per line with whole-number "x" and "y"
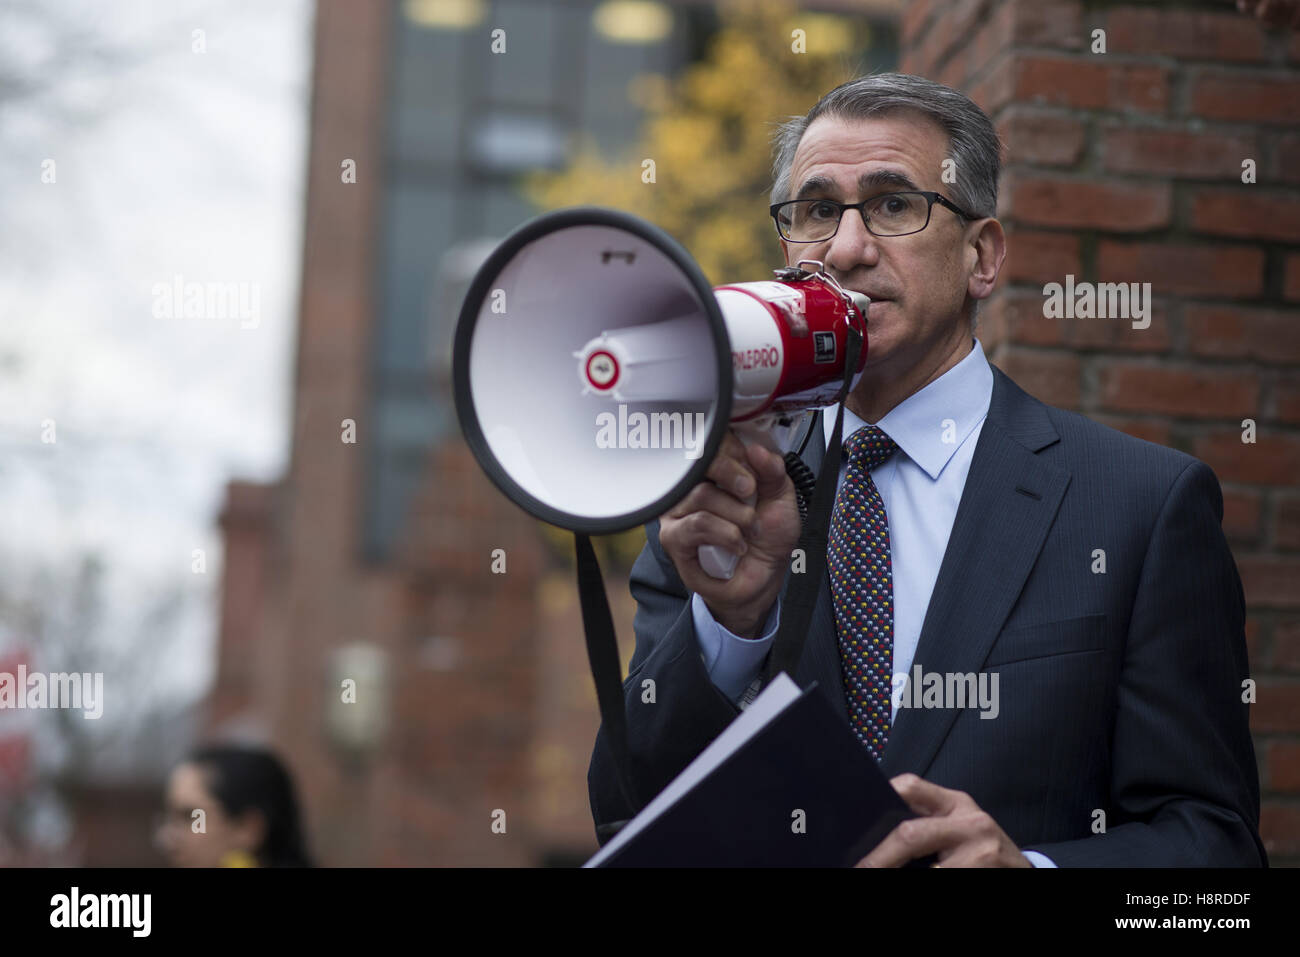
{"x": 602, "y": 653}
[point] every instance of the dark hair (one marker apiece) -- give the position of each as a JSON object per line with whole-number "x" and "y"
{"x": 247, "y": 778}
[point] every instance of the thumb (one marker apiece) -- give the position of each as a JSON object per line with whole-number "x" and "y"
{"x": 770, "y": 470}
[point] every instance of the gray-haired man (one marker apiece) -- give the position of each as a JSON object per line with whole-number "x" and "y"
{"x": 976, "y": 531}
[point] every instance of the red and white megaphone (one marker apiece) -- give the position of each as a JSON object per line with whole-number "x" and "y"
{"x": 664, "y": 365}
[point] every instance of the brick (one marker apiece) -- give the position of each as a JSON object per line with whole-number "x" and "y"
{"x": 1059, "y": 81}
{"x": 1247, "y": 211}
{"x": 1246, "y": 97}
{"x": 1287, "y": 401}
{"x": 1286, "y": 159}
{"x": 1044, "y": 23}
{"x": 1040, "y": 257}
{"x": 1283, "y": 760}
{"x": 1052, "y": 377}
{"x": 1241, "y": 515}
{"x": 915, "y": 16}
{"x": 1241, "y": 332}
{"x": 1140, "y": 88}
{"x": 1286, "y": 645}
{"x": 995, "y": 89}
{"x": 1183, "y": 268}
{"x": 1176, "y": 151}
{"x": 1286, "y": 523}
{"x": 1185, "y": 34}
{"x": 1041, "y": 137}
{"x": 1272, "y": 459}
{"x": 1118, "y": 335}
{"x": 1148, "y": 430}
{"x": 932, "y": 49}
{"x": 1277, "y": 705}
{"x": 1020, "y": 314}
{"x": 1252, "y": 640}
{"x": 1279, "y": 828}
{"x": 1291, "y": 278}
{"x": 1087, "y": 204}
{"x": 910, "y": 62}
{"x": 1129, "y": 386}
{"x": 1089, "y": 84}
{"x": 956, "y": 70}
{"x": 994, "y": 37}
{"x": 963, "y": 16}
{"x": 1271, "y": 582}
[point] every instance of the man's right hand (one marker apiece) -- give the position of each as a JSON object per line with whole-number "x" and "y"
{"x": 763, "y": 534}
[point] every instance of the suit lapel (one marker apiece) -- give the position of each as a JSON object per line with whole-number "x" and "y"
{"x": 1007, "y": 507}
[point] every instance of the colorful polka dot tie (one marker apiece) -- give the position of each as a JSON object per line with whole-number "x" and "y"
{"x": 862, "y": 588}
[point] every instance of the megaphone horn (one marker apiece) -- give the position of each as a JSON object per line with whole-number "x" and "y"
{"x": 596, "y": 371}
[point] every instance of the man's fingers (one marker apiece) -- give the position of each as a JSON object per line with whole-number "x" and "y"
{"x": 707, "y": 497}
{"x": 731, "y": 470}
{"x": 915, "y": 838}
{"x": 926, "y": 798}
{"x": 769, "y": 469}
{"x": 705, "y": 528}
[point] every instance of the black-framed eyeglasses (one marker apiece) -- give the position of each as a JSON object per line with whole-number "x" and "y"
{"x": 889, "y": 214}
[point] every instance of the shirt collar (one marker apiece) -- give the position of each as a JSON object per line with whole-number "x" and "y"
{"x": 918, "y": 423}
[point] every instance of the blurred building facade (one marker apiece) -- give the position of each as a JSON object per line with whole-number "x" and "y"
{"x": 371, "y": 560}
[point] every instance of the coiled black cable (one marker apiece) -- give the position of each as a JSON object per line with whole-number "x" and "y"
{"x": 804, "y": 482}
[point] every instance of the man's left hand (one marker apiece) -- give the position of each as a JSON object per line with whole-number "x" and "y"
{"x": 952, "y": 825}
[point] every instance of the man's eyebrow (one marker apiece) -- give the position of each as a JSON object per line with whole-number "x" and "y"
{"x": 885, "y": 177}
{"x": 867, "y": 181}
{"x": 816, "y": 184}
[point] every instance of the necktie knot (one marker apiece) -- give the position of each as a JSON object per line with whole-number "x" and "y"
{"x": 868, "y": 447}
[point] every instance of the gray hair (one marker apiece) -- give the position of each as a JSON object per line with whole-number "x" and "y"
{"x": 973, "y": 143}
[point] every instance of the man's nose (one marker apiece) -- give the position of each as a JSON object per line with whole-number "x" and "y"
{"x": 852, "y": 245}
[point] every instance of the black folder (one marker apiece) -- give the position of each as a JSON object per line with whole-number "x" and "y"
{"x": 788, "y": 784}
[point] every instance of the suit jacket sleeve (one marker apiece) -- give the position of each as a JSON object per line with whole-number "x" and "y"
{"x": 688, "y": 710}
{"x": 1184, "y": 782}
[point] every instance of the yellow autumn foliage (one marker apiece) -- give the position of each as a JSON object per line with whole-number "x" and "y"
{"x": 708, "y": 133}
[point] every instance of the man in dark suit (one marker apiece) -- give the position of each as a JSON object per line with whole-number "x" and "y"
{"x": 1079, "y": 573}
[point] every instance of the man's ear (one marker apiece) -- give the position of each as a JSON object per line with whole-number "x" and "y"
{"x": 987, "y": 250}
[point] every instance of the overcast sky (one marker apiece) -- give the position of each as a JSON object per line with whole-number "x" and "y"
{"x": 167, "y": 162}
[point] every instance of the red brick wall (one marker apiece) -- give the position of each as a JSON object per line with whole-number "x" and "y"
{"x": 1126, "y": 166}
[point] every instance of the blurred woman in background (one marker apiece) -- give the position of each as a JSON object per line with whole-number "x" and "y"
{"x": 250, "y": 814}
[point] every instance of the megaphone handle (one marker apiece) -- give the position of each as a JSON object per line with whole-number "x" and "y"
{"x": 718, "y": 562}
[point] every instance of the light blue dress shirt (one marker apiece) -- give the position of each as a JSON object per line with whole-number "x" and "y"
{"x": 920, "y": 485}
